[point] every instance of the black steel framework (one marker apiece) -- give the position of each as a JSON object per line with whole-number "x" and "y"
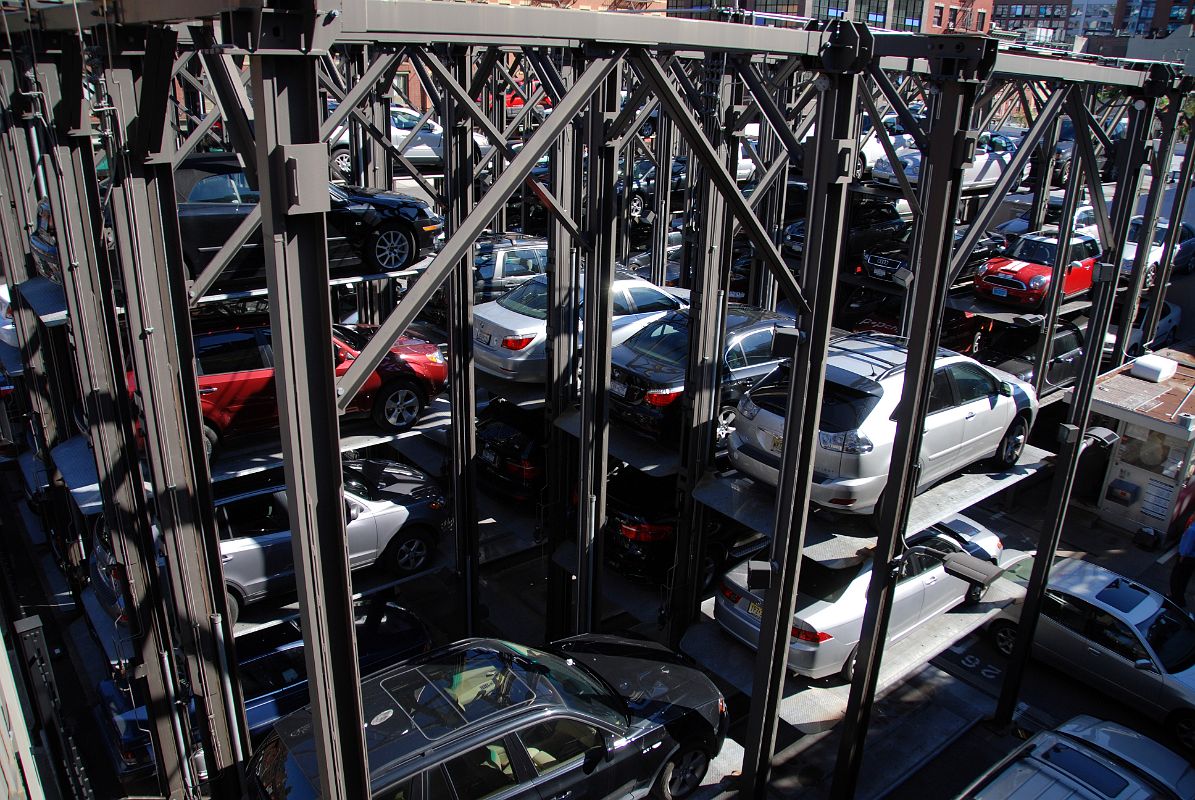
{"x": 157, "y": 97}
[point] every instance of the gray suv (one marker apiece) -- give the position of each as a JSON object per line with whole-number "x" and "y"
{"x": 484, "y": 718}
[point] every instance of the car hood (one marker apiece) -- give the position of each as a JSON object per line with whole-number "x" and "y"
{"x": 1020, "y": 269}
{"x": 363, "y": 194}
{"x": 657, "y": 683}
{"x": 393, "y": 478}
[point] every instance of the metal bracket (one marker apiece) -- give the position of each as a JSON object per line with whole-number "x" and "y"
{"x": 304, "y": 166}
{"x": 1103, "y": 272}
{"x": 1067, "y": 433}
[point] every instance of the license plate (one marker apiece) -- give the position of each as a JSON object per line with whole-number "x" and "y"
{"x": 482, "y": 337}
{"x": 755, "y": 610}
{"x": 999, "y": 291}
{"x": 619, "y": 389}
{"x": 879, "y": 273}
{"x": 489, "y": 457}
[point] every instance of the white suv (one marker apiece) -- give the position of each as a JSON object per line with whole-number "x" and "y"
{"x": 975, "y": 412}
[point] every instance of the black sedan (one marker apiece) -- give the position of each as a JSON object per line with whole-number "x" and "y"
{"x": 869, "y": 222}
{"x": 647, "y": 378}
{"x": 1013, "y": 349}
{"x": 884, "y": 259}
{"x": 642, "y": 196}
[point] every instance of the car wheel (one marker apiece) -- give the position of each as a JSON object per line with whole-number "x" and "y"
{"x": 397, "y": 406}
{"x": 211, "y": 442}
{"x": 409, "y": 552}
{"x": 1181, "y": 725}
{"x": 1004, "y": 637}
{"x": 683, "y": 773}
{"x": 340, "y": 164}
{"x": 848, "y": 668}
{"x": 391, "y": 248}
{"x": 725, "y": 422}
{"x": 860, "y": 167}
{"x": 1012, "y": 445}
{"x": 636, "y": 206}
{"x": 1151, "y": 276}
{"x": 234, "y": 607}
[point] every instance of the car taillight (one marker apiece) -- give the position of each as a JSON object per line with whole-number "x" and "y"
{"x": 517, "y": 342}
{"x": 730, "y": 594}
{"x": 117, "y": 574}
{"x": 801, "y": 633}
{"x": 662, "y": 397}
{"x": 644, "y": 531}
{"x": 521, "y": 469}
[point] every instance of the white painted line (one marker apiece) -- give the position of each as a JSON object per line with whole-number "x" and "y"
{"x": 1169, "y": 554}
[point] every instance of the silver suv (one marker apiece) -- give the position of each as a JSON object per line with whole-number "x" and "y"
{"x": 975, "y": 412}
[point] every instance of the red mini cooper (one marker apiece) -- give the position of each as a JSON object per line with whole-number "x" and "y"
{"x": 1022, "y": 274}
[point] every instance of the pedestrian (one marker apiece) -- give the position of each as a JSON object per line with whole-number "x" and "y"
{"x": 1183, "y": 567}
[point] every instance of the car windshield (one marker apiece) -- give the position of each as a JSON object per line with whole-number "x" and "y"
{"x": 1171, "y": 634}
{"x": 579, "y": 688}
{"x": 1035, "y": 251}
{"x": 1159, "y": 236}
{"x": 354, "y": 339}
{"x": 529, "y": 299}
{"x": 664, "y": 341}
{"x": 644, "y": 170}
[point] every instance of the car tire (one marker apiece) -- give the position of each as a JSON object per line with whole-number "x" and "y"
{"x": 398, "y": 405}
{"x": 410, "y": 551}
{"x": 211, "y": 442}
{"x": 847, "y": 673}
{"x": 340, "y": 164}
{"x": 1004, "y": 637}
{"x": 683, "y": 772}
{"x": 391, "y": 247}
{"x": 636, "y": 205}
{"x": 234, "y": 607}
{"x": 1151, "y": 276}
{"x": 860, "y": 166}
{"x": 1012, "y": 444}
{"x": 1181, "y": 725}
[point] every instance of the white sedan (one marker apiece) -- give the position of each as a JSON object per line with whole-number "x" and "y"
{"x": 1167, "y": 332}
{"x": 993, "y": 153}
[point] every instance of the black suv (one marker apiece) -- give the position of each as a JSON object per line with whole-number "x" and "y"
{"x": 1013, "y": 349}
{"x": 485, "y": 718}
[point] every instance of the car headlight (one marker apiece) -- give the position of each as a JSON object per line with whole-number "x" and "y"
{"x": 436, "y": 357}
{"x": 1038, "y": 282}
{"x": 747, "y": 407}
{"x": 911, "y": 167}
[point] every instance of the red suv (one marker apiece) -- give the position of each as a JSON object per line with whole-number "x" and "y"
{"x": 236, "y": 379}
{"x": 1022, "y": 274}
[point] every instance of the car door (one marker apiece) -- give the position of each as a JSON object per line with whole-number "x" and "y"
{"x": 984, "y": 416}
{"x": 748, "y": 358}
{"x": 1078, "y": 278}
{"x": 361, "y": 525}
{"x": 910, "y": 593}
{"x": 255, "y": 543}
{"x": 1113, "y": 649}
{"x": 941, "y": 592}
{"x": 236, "y": 380}
{"x": 567, "y": 755}
{"x": 212, "y": 210}
{"x": 492, "y": 770}
{"x": 943, "y": 435}
{"x": 1066, "y": 356}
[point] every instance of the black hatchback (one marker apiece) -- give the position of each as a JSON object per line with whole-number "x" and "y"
{"x": 486, "y": 718}
{"x": 647, "y": 375}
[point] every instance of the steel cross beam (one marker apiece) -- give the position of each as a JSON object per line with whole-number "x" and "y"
{"x": 144, "y": 218}
{"x": 892, "y": 94}
{"x": 232, "y": 99}
{"x": 285, "y": 93}
{"x": 933, "y": 237}
{"x": 906, "y": 188}
{"x": 662, "y": 223}
{"x": 1085, "y": 154}
{"x": 1016, "y": 165}
{"x": 676, "y": 109}
{"x": 837, "y": 120}
{"x": 459, "y": 243}
{"x": 70, "y": 177}
{"x": 1150, "y": 327}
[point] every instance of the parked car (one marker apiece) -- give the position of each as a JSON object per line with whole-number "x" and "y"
{"x": 869, "y": 222}
{"x": 394, "y": 514}
{"x": 1022, "y": 274}
{"x": 1116, "y": 635}
{"x": 1157, "y": 246}
{"x": 648, "y": 370}
{"x": 974, "y": 414}
{"x": 273, "y": 676}
{"x": 1087, "y": 759}
{"x": 237, "y": 394}
{"x": 510, "y": 333}
{"x": 1064, "y": 153}
{"x": 641, "y": 196}
{"x": 641, "y": 520}
{"x": 1013, "y": 349}
{"x": 1167, "y": 331}
{"x": 510, "y": 450}
{"x": 883, "y": 259}
{"x": 424, "y": 145}
{"x": 869, "y": 310}
{"x": 1083, "y": 222}
{"x": 501, "y": 261}
{"x": 993, "y": 154}
{"x": 481, "y": 718}
{"x": 742, "y": 266}
{"x": 831, "y": 598}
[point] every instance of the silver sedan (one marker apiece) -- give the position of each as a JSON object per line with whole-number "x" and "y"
{"x": 831, "y": 600}
{"x": 510, "y": 333}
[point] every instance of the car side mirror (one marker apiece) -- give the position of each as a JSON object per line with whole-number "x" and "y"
{"x": 1144, "y": 664}
{"x": 1074, "y": 265}
{"x": 351, "y": 511}
{"x": 1005, "y": 389}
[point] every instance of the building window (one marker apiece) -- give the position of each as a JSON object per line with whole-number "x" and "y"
{"x": 1018, "y": 11}
{"x": 938, "y": 12}
{"x": 982, "y": 21}
{"x": 1001, "y": 11}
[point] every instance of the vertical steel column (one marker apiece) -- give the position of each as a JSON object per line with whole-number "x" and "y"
{"x": 294, "y": 197}
{"x": 602, "y": 216}
{"x": 662, "y": 224}
{"x": 941, "y": 178}
{"x": 75, "y": 203}
{"x": 1153, "y": 205}
{"x": 144, "y": 215}
{"x": 1133, "y": 154}
{"x": 458, "y": 187}
{"x": 380, "y": 170}
{"x": 1150, "y": 327}
{"x": 831, "y": 172}
{"x": 560, "y": 388}
{"x": 707, "y": 256}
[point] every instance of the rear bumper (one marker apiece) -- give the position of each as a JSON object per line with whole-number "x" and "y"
{"x": 847, "y": 495}
{"x": 531, "y": 369}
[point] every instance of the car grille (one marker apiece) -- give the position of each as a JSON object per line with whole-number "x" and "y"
{"x": 1001, "y": 280}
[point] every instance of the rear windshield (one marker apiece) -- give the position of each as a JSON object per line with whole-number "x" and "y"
{"x": 1135, "y": 231}
{"x": 1009, "y": 341}
{"x": 823, "y": 583}
{"x": 664, "y": 341}
{"x": 529, "y": 299}
{"x": 844, "y": 408}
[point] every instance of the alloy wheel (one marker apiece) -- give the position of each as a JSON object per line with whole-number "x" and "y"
{"x": 392, "y": 249}
{"x": 402, "y": 407}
